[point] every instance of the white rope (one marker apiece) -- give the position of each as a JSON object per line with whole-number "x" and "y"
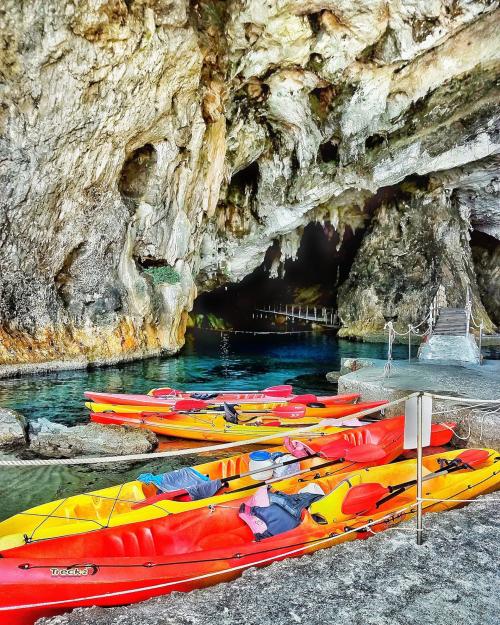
{"x": 461, "y": 438}
{"x": 198, "y": 450}
{"x": 464, "y": 400}
{"x": 495, "y": 500}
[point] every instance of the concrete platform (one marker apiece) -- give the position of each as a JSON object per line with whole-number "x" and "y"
{"x": 480, "y": 427}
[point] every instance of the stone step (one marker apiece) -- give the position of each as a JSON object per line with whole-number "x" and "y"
{"x": 460, "y": 326}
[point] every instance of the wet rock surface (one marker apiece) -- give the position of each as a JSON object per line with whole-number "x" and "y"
{"x": 53, "y": 440}
{"x": 13, "y": 426}
{"x": 386, "y": 580}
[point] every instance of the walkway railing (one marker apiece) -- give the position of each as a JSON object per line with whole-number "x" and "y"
{"x": 431, "y": 319}
{"x": 315, "y": 314}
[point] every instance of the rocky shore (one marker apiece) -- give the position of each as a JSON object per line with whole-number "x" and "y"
{"x": 46, "y": 439}
{"x": 386, "y": 580}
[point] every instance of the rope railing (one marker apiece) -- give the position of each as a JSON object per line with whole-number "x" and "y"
{"x": 393, "y": 333}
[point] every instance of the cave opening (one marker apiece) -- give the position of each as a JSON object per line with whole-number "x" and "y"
{"x": 137, "y": 172}
{"x": 322, "y": 263}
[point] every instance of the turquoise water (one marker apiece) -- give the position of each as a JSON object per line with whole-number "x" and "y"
{"x": 207, "y": 362}
{"x": 210, "y": 361}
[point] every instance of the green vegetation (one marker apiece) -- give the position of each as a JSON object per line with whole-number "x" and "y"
{"x": 162, "y": 275}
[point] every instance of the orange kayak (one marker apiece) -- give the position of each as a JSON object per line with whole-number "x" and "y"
{"x": 214, "y": 426}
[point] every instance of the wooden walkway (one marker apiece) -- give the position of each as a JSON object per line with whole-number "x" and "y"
{"x": 327, "y": 317}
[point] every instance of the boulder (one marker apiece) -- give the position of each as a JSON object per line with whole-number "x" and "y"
{"x": 54, "y": 440}
{"x": 12, "y": 429}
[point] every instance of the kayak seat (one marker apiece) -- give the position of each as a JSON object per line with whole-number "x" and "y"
{"x": 131, "y": 543}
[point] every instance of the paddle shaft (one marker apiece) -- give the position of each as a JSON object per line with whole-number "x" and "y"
{"x": 284, "y": 477}
{"x": 400, "y": 488}
{"x": 267, "y": 467}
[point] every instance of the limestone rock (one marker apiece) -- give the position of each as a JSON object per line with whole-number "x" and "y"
{"x": 12, "y": 429}
{"x": 415, "y": 244}
{"x": 54, "y": 440}
{"x": 151, "y": 150}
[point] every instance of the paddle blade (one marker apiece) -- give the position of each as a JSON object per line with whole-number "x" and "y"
{"x": 284, "y": 390}
{"x": 158, "y": 392}
{"x": 190, "y": 404}
{"x": 473, "y": 457}
{"x": 362, "y": 498}
{"x": 365, "y": 453}
{"x": 304, "y": 399}
{"x": 173, "y": 494}
{"x": 335, "y": 450}
{"x": 290, "y": 411}
{"x": 441, "y": 433}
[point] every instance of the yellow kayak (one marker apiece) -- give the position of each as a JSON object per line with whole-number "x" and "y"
{"x": 215, "y": 426}
{"x": 137, "y": 501}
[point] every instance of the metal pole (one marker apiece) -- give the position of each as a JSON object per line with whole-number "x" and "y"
{"x": 480, "y": 342}
{"x": 409, "y": 342}
{"x": 419, "y": 470}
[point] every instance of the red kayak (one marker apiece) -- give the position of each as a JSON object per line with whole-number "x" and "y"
{"x": 262, "y": 397}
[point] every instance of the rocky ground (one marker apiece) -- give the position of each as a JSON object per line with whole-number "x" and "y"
{"x": 387, "y": 580}
{"x": 478, "y": 426}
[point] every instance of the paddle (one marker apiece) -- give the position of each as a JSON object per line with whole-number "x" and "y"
{"x": 282, "y": 390}
{"x": 287, "y": 411}
{"x": 364, "y": 497}
{"x": 336, "y": 451}
{"x": 357, "y": 454}
{"x": 161, "y": 497}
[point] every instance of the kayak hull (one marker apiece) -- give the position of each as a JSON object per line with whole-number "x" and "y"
{"x": 333, "y": 411}
{"x": 202, "y": 547}
{"x": 217, "y": 430}
{"x": 214, "y": 427}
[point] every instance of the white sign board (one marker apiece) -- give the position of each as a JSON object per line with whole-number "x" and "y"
{"x": 410, "y": 439}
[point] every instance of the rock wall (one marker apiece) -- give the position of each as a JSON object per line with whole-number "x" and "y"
{"x": 150, "y": 149}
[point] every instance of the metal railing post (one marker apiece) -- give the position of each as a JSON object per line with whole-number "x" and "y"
{"x": 480, "y": 341}
{"x": 468, "y": 310}
{"x": 419, "y": 470}
{"x": 409, "y": 342}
